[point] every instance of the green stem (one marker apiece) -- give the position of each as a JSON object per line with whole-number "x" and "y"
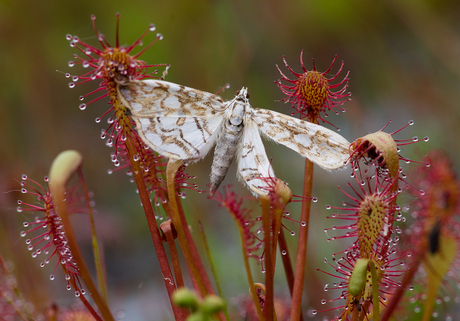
{"x": 302, "y": 247}
{"x": 213, "y": 268}
{"x": 375, "y": 293}
{"x": 100, "y": 272}
{"x": 194, "y": 251}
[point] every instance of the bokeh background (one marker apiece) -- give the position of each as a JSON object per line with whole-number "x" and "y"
{"x": 403, "y": 58}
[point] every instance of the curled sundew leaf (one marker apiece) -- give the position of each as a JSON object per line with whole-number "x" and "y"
{"x": 64, "y": 165}
{"x": 379, "y": 147}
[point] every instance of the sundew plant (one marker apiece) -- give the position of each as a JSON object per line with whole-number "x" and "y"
{"x": 398, "y": 259}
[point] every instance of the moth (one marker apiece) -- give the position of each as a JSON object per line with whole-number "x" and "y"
{"x": 184, "y": 124}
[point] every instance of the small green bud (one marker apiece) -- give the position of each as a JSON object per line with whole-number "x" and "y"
{"x": 197, "y": 316}
{"x": 185, "y": 298}
{"x": 358, "y": 277}
{"x": 212, "y": 304}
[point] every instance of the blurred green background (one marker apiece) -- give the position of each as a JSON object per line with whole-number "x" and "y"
{"x": 404, "y": 61}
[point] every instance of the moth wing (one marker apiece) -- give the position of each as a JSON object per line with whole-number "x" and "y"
{"x": 175, "y": 121}
{"x": 320, "y": 145}
{"x": 253, "y": 164}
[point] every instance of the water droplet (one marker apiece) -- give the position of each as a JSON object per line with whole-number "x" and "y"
{"x": 85, "y": 64}
{"x": 19, "y": 209}
{"x": 77, "y": 294}
{"x": 152, "y": 27}
{"x": 415, "y": 139}
{"x": 71, "y": 63}
{"x": 328, "y": 207}
{"x": 426, "y": 138}
{"x": 159, "y": 36}
{"x": 82, "y": 106}
{"x": 52, "y": 277}
{"x": 303, "y": 223}
{"x": 71, "y": 85}
{"x": 422, "y": 192}
{"x": 74, "y": 78}
{"x": 411, "y": 122}
{"x": 283, "y": 252}
{"x": 314, "y": 199}
{"x": 68, "y": 37}
{"x": 292, "y": 233}
{"x": 97, "y": 120}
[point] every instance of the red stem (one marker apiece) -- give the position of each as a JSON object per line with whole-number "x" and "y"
{"x": 302, "y": 247}
{"x": 158, "y": 244}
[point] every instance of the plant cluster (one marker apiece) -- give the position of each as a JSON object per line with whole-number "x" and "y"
{"x": 401, "y": 261}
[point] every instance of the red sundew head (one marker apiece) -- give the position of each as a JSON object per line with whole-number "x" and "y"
{"x": 53, "y": 241}
{"x": 110, "y": 64}
{"x": 311, "y": 92}
{"x": 114, "y": 65}
{"x": 242, "y": 216}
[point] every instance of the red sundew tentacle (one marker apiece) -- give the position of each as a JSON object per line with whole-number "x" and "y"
{"x": 330, "y": 67}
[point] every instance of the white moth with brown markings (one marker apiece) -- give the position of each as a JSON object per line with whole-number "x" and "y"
{"x": 184, "y": 124}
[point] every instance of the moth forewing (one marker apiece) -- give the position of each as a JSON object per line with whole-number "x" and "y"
{"x": 176, "y": 121}
{"x": 320, "y": 145}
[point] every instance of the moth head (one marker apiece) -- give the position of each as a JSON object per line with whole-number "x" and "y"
{"x": 242, "y": 95}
